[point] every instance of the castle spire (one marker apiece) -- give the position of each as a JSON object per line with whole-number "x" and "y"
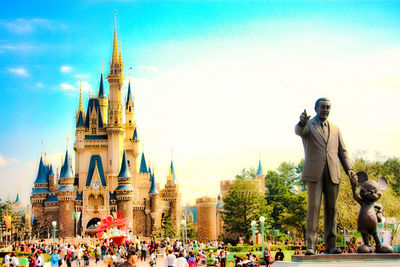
{"x": 66, "y": 171}
{"x": 153, "y": 187}
{"x": 129, "y": 96}
{"x": 115, "y": 54}
{"x": 101, "y": 87}
{"x": 259, "y": 170}
{"x": 124, "y": 172}
{"x": 80, "y": 109}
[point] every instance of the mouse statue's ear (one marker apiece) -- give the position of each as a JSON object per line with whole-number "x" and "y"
{"x": 383, "y": 183}
{"x": 362, "y": 177}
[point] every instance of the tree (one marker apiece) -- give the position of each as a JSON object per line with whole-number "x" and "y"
{"x": 167, "y": 227}
{"x": 246, "y": 174}
{"x": 242, "y": 204}
{"x": 289, "y": 207}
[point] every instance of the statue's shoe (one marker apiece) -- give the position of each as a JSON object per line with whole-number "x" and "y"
{"x": 333, "y": 251}
{"x": 384, "y": 249}
{"x": 364, "y": 249}
{"x": 310, "y": 252}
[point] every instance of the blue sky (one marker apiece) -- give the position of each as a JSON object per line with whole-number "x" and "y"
{"x": 219, "y": 82}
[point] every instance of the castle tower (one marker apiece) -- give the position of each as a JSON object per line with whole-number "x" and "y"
{"x": 40, "y": 191}
{"x": 260, "y": 177}
{"x": 66, "y": 195}
{"x": 131, "y": 138}
{"x": 172, "y": 189}
{"x": 206, "y": 218}
{"x": 115, "y": 129}
{"x": 79, "y": 136}
{"x": 155, "y": 205}
{"x": 124, "y": 191}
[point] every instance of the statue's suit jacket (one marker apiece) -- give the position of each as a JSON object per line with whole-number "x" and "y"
{"x": 320, "y": 149}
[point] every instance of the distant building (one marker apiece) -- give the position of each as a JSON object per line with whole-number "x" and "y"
{"x": 106, "y": 178}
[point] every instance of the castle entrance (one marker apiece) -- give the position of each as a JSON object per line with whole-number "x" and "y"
{"x": 91, "y": 226}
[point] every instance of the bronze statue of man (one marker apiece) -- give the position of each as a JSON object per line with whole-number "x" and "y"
{"x": 324, "y": 151}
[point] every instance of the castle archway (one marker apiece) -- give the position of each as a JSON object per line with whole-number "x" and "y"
{"x": 91, "y": 226}
{"x": 93, "y": 223}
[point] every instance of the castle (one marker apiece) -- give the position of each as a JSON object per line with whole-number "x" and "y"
{"x": 106, "y": 178}
{"x": 207, "y": 214}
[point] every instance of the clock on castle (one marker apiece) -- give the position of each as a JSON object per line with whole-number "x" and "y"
{"x": 106, "y": 177}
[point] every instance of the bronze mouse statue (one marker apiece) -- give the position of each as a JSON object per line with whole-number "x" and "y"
{"x": 368, "y": 218}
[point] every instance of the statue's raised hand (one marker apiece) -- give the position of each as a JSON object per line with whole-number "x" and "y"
{"x": 304, "y": 118}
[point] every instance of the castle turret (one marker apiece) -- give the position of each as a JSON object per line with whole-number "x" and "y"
{"x": 206, "y": 218}
{"x": 124, "y": 191}
{"x": 155, "y": 205}
{"x": 172, "y": 194}
{"x": 261, "y": 178}
{"x": 115, "y": 127}
{"x": 66, "y": 195}
{"x": 40, "y": 191}
{"x": 79, "y": 135}
{"x": 129, "y": 113}
{"x": 52, "y": 180}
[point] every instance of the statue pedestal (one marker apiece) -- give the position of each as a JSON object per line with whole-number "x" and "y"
{"x": 351, "y": 260}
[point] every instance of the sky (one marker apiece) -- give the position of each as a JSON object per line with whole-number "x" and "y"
{"x": 221, "y": 83}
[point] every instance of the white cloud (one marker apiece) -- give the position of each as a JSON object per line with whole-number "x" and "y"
{"x": 3, "y": 162}
{"x": 40, "y": 85}
{"x": 24, "y": 26}
{"x": 19, "y": 71}
{"x": 67, "y": 87}
{"x": 13, "y": 160}
{"x": 66, "y": 69}
{"x": 15, "y": 47}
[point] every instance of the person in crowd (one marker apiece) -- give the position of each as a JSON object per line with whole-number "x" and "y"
{"x": 68, "y": 259}
{"x": 55, "y": 258}
{"x": 279, "y": 255}
{"x": 39, "y": 259}
{"x": 171, "y": 259}
{"x": 181, "y": 261}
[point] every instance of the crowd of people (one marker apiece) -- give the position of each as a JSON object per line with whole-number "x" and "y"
{"x": 174, "y": 252}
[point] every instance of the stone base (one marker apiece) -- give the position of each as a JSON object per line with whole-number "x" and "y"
{"x": 351, "y": 260}
{"x": 346, "y": 257}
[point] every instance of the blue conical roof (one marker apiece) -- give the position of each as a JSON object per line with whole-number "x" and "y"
{"x": 143, "y": 166}
{"x": 153, "y": 187}
{"x": 80, "y": 120}
{"x": 149, "y": 171}
{"x": 66, "y": 171}
{"x": 101, "y": 88}
{"x": 172, "y": 170}
{"x": 135, "y": 135}
{"x": 17, "y": 199}
{"x": 124, "y": 172}
{"x": 41, "y": 177}
{"x": 129, "y": 96}
{"x": 260, "y": 170}
{"x": 51, "y": 173}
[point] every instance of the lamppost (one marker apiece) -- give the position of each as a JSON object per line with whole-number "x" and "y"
{"x": 253, "y": 231}
{"x": 183, "y": 223}
{"x": 262, "y": 221}
{"x": 54, "y": 223}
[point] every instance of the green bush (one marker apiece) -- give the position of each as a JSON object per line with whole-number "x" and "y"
{"x": 17, "y": 253}
{"x": 259, "y": 247}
